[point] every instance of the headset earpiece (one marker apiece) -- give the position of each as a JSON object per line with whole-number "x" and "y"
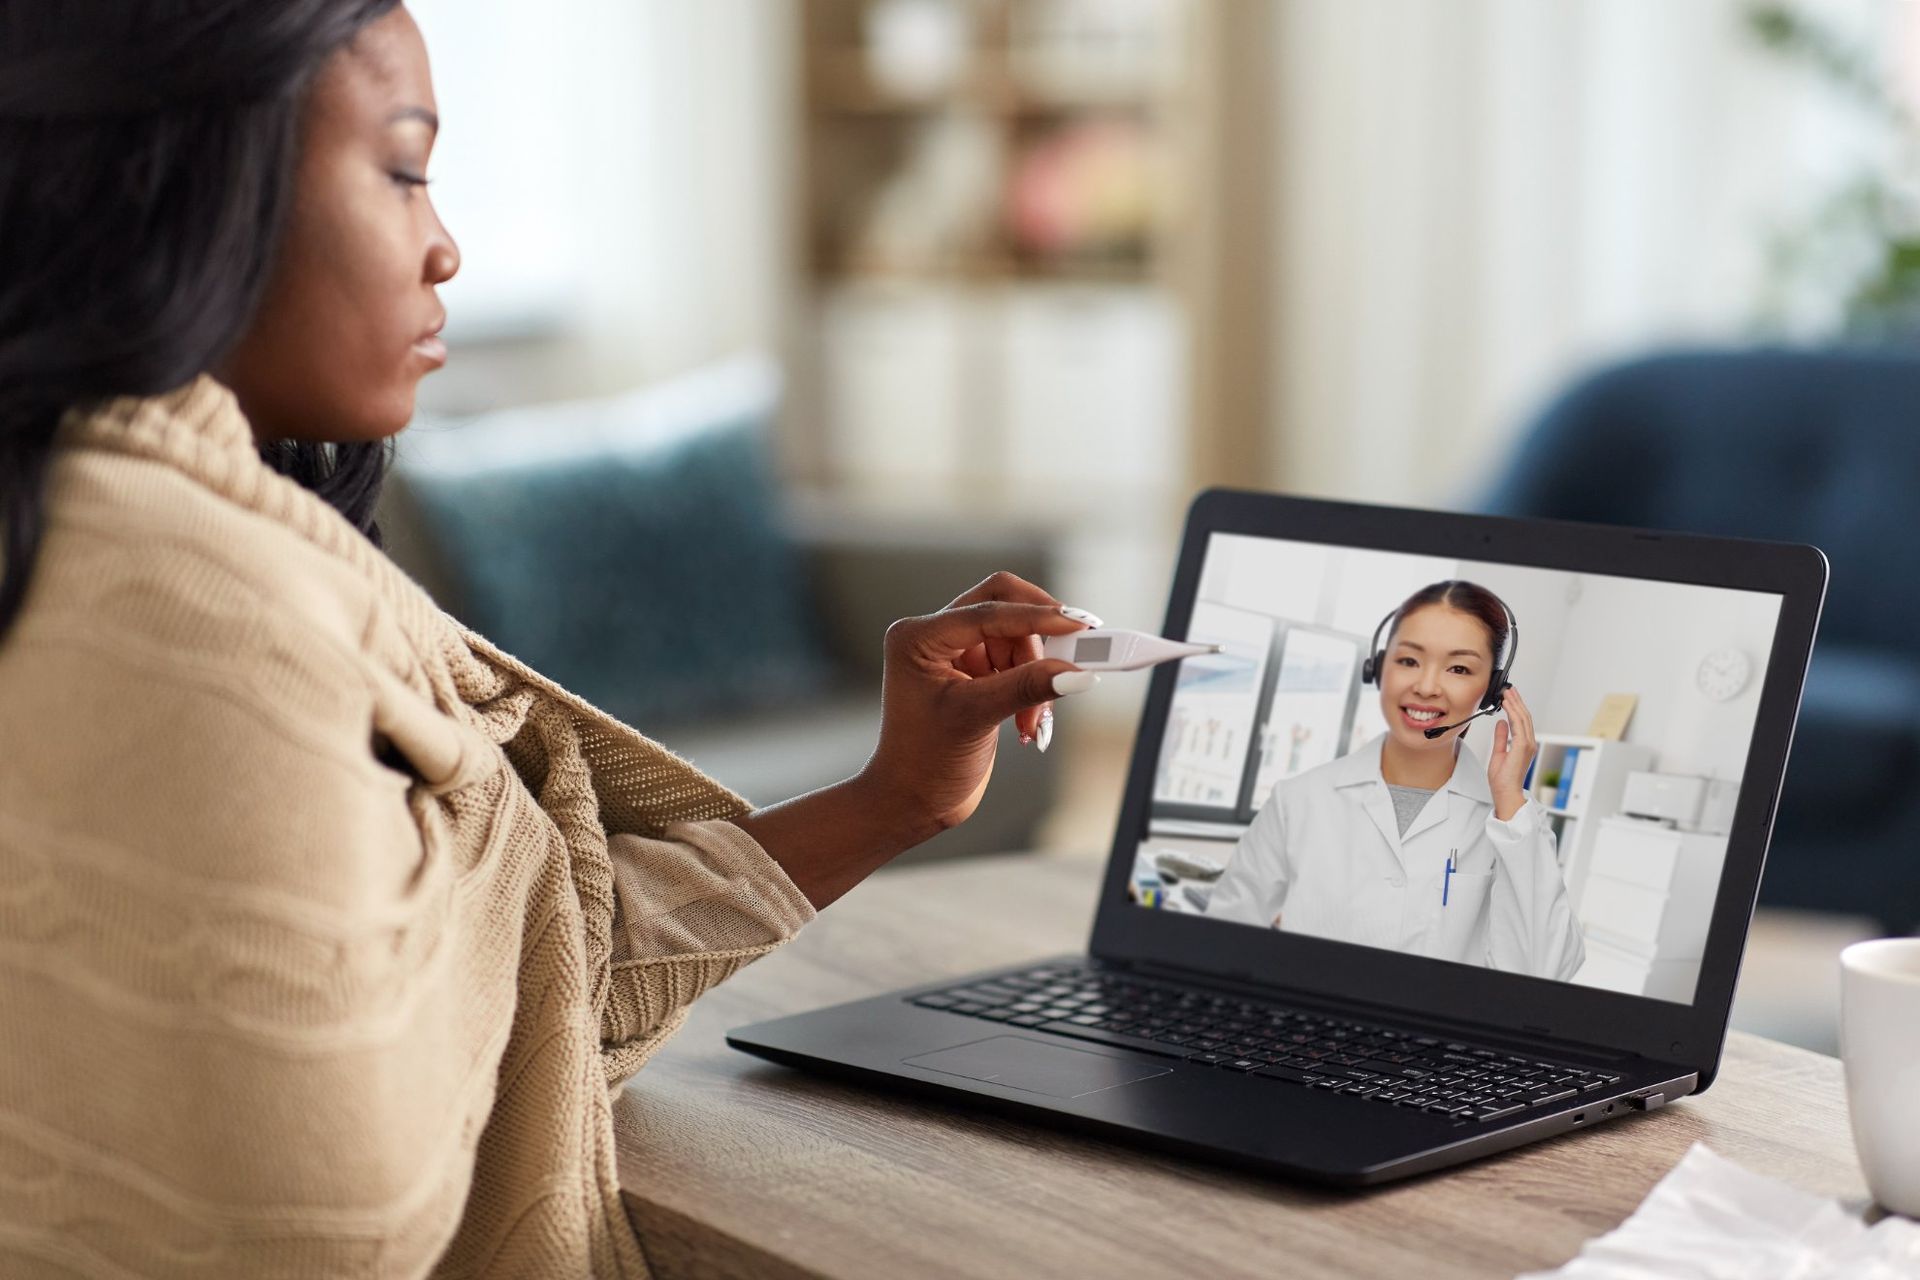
{"x": 1374, "y": 668}
{"x": 1498, "y": 686}
{"x": 1496, "y": 696}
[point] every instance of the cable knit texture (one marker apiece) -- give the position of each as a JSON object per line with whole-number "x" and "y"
{"x": 327, "y": 930}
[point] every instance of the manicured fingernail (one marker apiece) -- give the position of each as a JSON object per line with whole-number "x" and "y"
{"x": 1081, "y": 615}
{"x": 1046, "y": 729}
{"x": 1074, "y": 682}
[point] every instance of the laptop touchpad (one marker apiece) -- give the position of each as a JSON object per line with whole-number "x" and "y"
{"x": 1019, "y": 1063}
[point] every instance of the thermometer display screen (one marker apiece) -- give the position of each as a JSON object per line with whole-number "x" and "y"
{"x": 1093, "y": 649}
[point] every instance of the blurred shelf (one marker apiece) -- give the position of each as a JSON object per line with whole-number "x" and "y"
{"x": 993, "y": 138}
{"x": 1017, "y": 229}
{"x": 1077, "y": 504}
{"x": 984, "y": 270}
{"x": 842, "y": 82}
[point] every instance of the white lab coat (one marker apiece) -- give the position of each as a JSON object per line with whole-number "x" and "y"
{"x": 1325, "y": 853}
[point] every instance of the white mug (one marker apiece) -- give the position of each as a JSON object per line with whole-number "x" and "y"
{"x": 1880, "y": 1045}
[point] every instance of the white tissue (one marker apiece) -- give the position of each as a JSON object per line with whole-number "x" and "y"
{"x": 1710, "y": 1219}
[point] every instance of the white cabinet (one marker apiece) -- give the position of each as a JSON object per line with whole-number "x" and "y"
{"x": 1647, "y": 906}
{"x": 1620, "y": 969}
{"x": 1645, "y": 855}
{"x": 899, "y": 365}
{"x": 1065, "y": 394}
{"x": 1092, "y": 388}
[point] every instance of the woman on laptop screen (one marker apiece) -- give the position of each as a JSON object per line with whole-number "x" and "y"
{"x": 1413, "y": 842}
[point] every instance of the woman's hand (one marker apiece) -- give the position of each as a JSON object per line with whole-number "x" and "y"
{"x": 951, "y": 678}
{"x": 1514, "y": 747}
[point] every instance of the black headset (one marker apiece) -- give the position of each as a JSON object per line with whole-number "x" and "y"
{"x": 1374, "y": 668}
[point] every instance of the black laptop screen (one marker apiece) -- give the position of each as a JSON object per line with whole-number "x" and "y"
{"x": 1311, "y": 777}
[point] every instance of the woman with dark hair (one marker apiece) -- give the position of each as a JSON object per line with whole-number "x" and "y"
{"x": 327, "y": 930}
{"x": 1410, "y": 842}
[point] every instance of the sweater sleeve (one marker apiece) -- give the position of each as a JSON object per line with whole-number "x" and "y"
{"x": 691, "y": 908}
{"x": 676, "y": 897}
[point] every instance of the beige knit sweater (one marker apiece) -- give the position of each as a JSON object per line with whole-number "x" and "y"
{"x": 327, "y": 930}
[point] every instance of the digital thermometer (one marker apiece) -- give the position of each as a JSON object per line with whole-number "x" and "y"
{"x": 1111, "y": 649}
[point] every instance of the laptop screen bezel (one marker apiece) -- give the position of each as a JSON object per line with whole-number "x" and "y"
{"x": 1530, "y": 1007}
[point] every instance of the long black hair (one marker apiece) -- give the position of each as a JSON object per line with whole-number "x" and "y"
{"x": 147, "y": 158}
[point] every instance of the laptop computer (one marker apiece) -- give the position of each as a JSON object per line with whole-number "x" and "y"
{"x": 1297, "y": 967}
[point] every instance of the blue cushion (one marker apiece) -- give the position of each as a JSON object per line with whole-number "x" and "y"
{"x": 1855, "y": 750}
{"x": 631, "y": 549}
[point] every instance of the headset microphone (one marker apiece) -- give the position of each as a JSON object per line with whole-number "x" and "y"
{"x": 1496, "y": 698}
{"x": 1449, "y": 728}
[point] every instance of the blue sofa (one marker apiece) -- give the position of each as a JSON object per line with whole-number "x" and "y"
{"x": 1819, "y": 446}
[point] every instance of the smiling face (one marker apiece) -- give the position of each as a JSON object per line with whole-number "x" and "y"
{"x": 1439, "y": 662}
{"x": 345, "y": 331}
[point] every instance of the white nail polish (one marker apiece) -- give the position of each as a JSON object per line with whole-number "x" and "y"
{"x": 1074, "y": 682}
{"x": 1081, "y": 615}
{"x": 1046, "y": 731}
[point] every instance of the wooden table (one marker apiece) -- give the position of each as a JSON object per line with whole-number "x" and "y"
{"x": 732, "y": 1166}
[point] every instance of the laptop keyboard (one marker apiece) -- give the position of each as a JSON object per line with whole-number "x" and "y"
{"x": 1361, "y": 1060}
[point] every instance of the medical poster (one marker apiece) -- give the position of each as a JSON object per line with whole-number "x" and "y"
{"x": 1216, "y": 702}
{"x": 1311, "y": 693}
